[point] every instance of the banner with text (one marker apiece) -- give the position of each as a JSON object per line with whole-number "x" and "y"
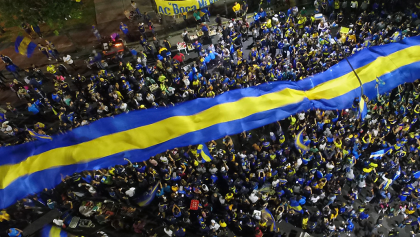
{"x": 171, "y": 8}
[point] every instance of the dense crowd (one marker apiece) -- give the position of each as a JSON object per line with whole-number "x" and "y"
{"x": 250, "y": 172}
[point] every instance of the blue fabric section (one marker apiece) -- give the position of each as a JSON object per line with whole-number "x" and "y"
{"x": 31, "y": 48}
{"x": 17, "y": 43}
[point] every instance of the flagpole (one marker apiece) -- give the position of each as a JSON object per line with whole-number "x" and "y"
{"x": 354, "y": 71}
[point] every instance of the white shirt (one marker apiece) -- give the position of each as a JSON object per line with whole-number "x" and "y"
{"x": 58, "y": 222}
{"x": 91, "y": 189}
{"x": 186, "y": 81}
{"x": 314, "y": 199}
{"x": 171, "y": 91}
{"x": 7, "y": 129}
{"x": 330, "y": 165}
{"x": 320, "y": 27}
{"x": 150, "y": 98}
{"x": 298, "y": 163}
{"x": 216, "y": 226}
{"x": 139, "y": 98}
{"x": 301, "y": 116}
{"x": 185, "y": 94}
{"x": 123, "y": 107}
{"x": 168, "y": 231}
{"x": 350, "y": 174}
{"x": 254, "y": 198}
{"x": 68, "y": 59}
{"x": 201, "y": 169}
{"x": 164, "y": 160}
{"x": 102, "y": 109}
{"x": 130, "y": 192}
{"x": 213, "y": 170}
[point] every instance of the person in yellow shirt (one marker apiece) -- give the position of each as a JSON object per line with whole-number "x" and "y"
{"x": 236, "y": 8}
{"x": 4, "y": 216}
{"x": 51, "y": 69}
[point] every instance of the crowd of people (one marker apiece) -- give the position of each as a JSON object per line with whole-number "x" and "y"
{"x": 250, "y": 172}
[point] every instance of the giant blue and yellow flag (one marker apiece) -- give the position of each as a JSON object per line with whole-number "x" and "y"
{"x": 148, "y": 197}
{"x": 33, "y": 166}
{"x": 53, "y": 231}
{"x": 204, "y": 152}
{"x": 24, "y": 46}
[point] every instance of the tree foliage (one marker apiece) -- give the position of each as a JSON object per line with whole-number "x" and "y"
{"x": 52, "y": 12}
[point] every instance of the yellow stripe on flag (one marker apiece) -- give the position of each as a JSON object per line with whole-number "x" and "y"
{"x": 23, "y": 46}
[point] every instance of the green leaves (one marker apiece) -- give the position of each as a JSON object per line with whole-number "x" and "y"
{"x": 53, "y": 12}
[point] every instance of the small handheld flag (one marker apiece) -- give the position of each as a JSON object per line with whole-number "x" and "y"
{"x": 362, "y": 108}
{"x": 377, "y": 155}
{"x": 397, "y": 174}
{"x": 24, "y": 46}
{"x": 295, "y": 206}
{"x": 299, "y": 143}
{"x": 147, "y": 198}
{"x": 379, "y": 81}
{"x": 203, "y": 150}
{"x": 265, "y": 213}
{"x": 38, "y": 136}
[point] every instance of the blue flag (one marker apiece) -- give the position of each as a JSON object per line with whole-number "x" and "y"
{"x": 148, "y": 197}
{"x": 379, "y": 81}
{"x": 362, "y": 108}
{"x": 24, "y": 46}
{"x": 377, "y": 155}
{"x": 203, "y": 150}
{"x": 299, "y": 143}
{"x": 53, "y": 231}
{"x": 39, "y": 136}
{"x": 265, "y": 213}
{"x": 397, "y": 174}
{"x": 296, "y": 206}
